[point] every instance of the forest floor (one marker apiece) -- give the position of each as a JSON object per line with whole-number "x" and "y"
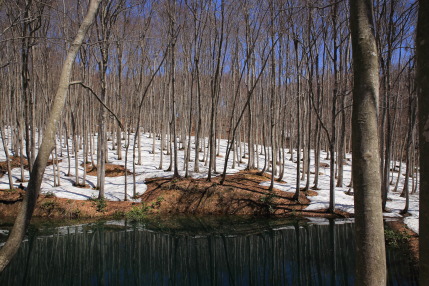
{"x": 241, "y": 194}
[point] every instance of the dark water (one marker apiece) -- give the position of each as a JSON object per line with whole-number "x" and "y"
{"x": 195, "y": 251}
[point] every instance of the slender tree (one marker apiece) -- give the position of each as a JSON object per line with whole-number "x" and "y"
{"x": 6, "y": 152}
{"x": 26, "y": 211}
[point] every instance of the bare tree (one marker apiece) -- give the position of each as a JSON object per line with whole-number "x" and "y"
{"x": 215, "y": 83}
{"x": 370, "y": 248}
{"x": 422, "y": 81}
{"x": 6, "y": 152}
{"x": 107, "y": 18}
{"x": 26, "y": 211}
{"x": 173, "y": 31}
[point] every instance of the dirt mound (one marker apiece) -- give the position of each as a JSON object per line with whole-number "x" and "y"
{"x": 11, "y": 196}
{"x": 15, "y": 162}
{"x": 241, "y": 194}
{"x": 112, "y": 170}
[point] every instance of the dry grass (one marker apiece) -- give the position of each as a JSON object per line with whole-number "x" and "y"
{"x": 112, "y": 170}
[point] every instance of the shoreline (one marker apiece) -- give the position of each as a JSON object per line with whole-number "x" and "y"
{"x": 242, "y": 194}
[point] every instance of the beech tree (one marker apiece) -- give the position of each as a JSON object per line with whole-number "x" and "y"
{"x": 106, "y": 20}
{"x": 370, "y": 246}
{"x": 6, "y": 151}
{"x": 26, "y": 211}
{"x": 422, "y": 81}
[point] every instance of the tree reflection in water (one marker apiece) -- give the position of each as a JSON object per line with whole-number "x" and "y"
{"x": 195, "y": 253}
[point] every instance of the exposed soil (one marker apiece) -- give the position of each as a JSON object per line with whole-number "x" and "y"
{"x": 50, "y": 161}
{"x": 112, "y": 170}
{"x": 11, "y": 196}
{"x": 15, "y": 162}
{"x": 53, "y": 207}
{"x": 241, "y": 194}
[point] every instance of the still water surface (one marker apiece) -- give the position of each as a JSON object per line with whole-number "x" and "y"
{"x": 195, "y": 251}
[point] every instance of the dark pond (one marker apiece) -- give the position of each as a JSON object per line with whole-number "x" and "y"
{"x": 194, "y": 251}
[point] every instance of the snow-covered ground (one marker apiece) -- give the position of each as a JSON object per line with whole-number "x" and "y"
{"x": 115, "y": 186}
{"x": 345, "y": 202}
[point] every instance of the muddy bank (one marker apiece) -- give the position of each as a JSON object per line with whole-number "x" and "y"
{"x": 53, "y": 207}
{"x": 412, "y": 242}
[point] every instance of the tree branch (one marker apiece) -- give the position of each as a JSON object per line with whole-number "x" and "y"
{"x": 99, "y": 100}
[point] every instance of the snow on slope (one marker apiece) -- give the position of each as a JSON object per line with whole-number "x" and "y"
{"x": 114, "y": 186}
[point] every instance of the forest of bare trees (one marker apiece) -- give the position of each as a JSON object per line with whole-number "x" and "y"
{"x": 268, "y": 76}
{"x": 271, "y": 74}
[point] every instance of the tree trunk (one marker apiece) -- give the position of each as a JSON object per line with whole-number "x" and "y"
{"x": 26, "y": 211}
{"x": 173, "y": 135}
{"x": 6, "y": 152}
{"x": 333, "y": 139}
{"x": 370, "y": 246}
{"x": 298, "y": 125}
{"x": 411, "y": 120}
{"x": 422, "y": 76}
